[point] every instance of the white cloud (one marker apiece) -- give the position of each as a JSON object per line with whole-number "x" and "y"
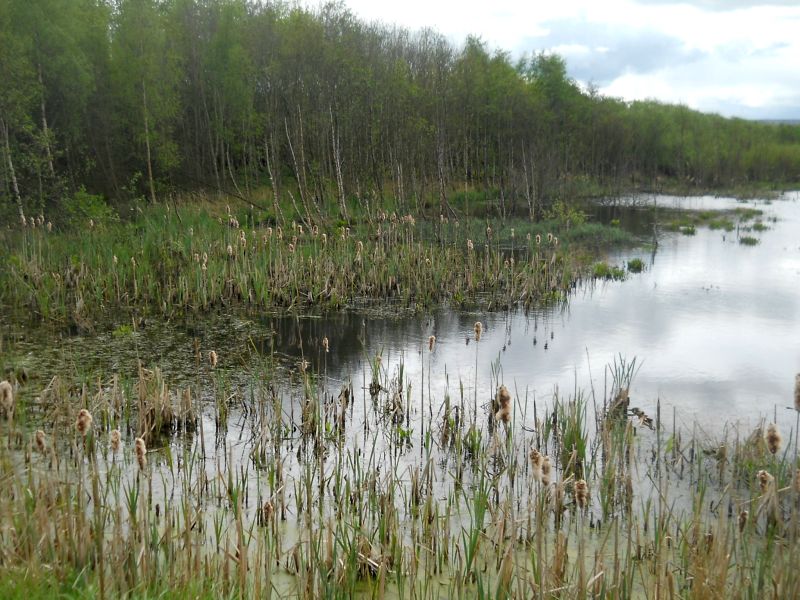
{"x": 735, "y": 57}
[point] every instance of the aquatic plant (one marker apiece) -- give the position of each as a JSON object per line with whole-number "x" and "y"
{"x": 7, "y": 398}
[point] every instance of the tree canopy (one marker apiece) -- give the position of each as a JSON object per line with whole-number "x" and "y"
{"x": 140, "y": 98}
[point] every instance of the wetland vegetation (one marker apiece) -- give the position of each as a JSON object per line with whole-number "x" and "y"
{"x": 204, "y": 207}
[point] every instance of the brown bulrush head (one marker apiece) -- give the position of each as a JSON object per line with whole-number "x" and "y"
{"x": 431, "y": 343}
{"x": 546, "y": 468}
{"x": 536, "y": 464}
{"x": 478, "y": 331}
{"x": 326, "y": 344}
{"x": 797, "y": 392}
{"x": 743, "y": 520}
{"x": 765, "y": 480}
{"x": 116, "y": 438}
{"x": 773, "y": 438}
{"x": 41, "y": 441}
{"x": 84, "y": 422}
{"x": 267, "y": 512}
{"x": 212, "y": 359}
{"x": 6, "y": 398}
{"x": 503, "y": 402}
{"x": 797, "y": 481}
{"x": 582, "y": 493}
{"x": 140, "y": 448}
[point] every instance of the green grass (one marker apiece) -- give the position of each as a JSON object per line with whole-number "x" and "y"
{"x": 748, "y": 240}
{"x": 636, "y": 265}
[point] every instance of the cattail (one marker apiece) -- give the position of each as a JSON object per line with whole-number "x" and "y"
{"x": 133, "y": 261}
{"x": 49, "y": 227}
{"x": 431, "y": 343}
{"x": 84, "y": 422}
{"x": 513, "y": 233}
{"x": 478, "y": 331}
{"x": 538, "y": 239}
{"x": 212, "y": 359}
{"x": 773, "y": 438}
{"x": 230, "y": 250}
{"x": 115, "y": 440}
{"x": 797, "y": 392}
{"x": 765, "y": 480}
{"x": 325, "y": 344}
{"x": 503, "y": 403}
{"x": 470, "y": 245}
{"x": 536, "y": 464}
{"x": 6, "y": 398}
{"x": 191, "y": 231}
{"x": 41, "y": 441}
{"x": 743, "y": 520}
{"x": 581, "y": 493}
{"x": 546, "y": 467}
{"x": 115, "y": 260}
{"x": 267, "y": 512}
{"x": 549, "y": 238}
{"x": 140, "y": 448}
{"x": 797, "y": 481}
{"x": 555, "y": 241}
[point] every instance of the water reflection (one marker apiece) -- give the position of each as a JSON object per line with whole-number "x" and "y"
{"x": 714, "y": 322}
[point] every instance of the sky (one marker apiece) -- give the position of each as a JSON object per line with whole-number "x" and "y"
{"x": 732, "y": 57}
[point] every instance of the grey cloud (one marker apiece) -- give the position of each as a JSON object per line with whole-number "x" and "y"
{"x": 632, "y": 51}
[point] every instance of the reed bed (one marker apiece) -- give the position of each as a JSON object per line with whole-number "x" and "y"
{"x": 292, "y": 485}
{"x": 168, "y": 261}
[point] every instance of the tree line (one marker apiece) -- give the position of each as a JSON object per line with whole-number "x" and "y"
{"x": 143, "y": 98}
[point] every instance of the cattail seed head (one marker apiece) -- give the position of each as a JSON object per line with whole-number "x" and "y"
{"x": 140, "y": 448}
{"x": 116, "y": 438}
{"x": 470, "y": 245}
{"x": 536, "y": 464}
{"x": 49, "y": 227}
{"x": 84, "y": 422}
{"x": 538, "y": 239}
{"x": 431, "y": 343}
{"x": 212, "y": 359}
{"x": 41, "y": 441}
{"x": 765, "y": 480}
{"x": 478, "y": 330}
{"x": 6, "y": 398}
{"x": 581, "y": 493}
{"x": 797, "y": 392}
{"x": 546, "y": 468}
{"x": 743, "y": 520}
{"x": 773, "y": 438}
{"x": 325, "y": 344}
{"x": 503, "y": 403}
{"x": 267, "y": 512}
{"x": 230, "y": 250}
{"x": 797, "y": 481}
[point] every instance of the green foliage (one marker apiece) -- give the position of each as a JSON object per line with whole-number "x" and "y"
{"x": 602, "y": 270}
{"x": 235, "y": 96}
{"x": 83, "y": 208}
{"x": 636, "y": 265}
{"x": 748, "y": 240}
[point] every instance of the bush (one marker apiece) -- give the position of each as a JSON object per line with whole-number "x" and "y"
{"x": 636, "y": 265}
{"x": 84, "y": 207}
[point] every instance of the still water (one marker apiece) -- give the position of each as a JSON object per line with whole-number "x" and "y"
{"x": 715, "y": 325}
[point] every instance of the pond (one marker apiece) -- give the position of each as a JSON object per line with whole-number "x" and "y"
{"x": 711, "y": 323}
